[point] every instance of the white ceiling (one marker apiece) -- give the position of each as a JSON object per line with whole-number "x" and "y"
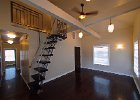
{"x": 4, "y": 37}
{"x": 100, "y": 5}
{"x": 121, "y": 21}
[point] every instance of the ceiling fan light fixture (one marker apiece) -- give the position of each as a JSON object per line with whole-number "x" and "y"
{"x": 82, "y": 16}
{"x": 81, "y": 12}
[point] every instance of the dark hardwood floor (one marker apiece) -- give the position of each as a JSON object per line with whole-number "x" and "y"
{"x": 13, "y": 86}
{"x": 85, "y": 85}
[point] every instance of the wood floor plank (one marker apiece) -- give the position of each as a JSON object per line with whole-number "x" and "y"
{"x": 84, "y": 85}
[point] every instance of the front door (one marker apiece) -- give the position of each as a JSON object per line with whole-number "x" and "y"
{"x": 10, "y": 58}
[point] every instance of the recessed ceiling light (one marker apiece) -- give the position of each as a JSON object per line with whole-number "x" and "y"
{"x": 11, "y": 35}
{"x": 10, "y": 41}
{"x": 88, "y": 0}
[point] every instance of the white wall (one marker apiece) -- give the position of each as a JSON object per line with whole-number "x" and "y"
{"x": 33, "y": 45}
{"x": 63, "y": 60}
{"x": 120, "y": 60}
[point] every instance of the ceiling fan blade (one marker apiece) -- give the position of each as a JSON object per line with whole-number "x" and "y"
{"x": 75, "y": 9}
{"x": 92, "y": 13}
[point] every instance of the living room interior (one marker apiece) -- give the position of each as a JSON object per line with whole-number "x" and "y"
{"x": 70, "y": 50}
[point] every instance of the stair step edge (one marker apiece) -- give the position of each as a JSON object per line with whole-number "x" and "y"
{"x": 36, "y": 77}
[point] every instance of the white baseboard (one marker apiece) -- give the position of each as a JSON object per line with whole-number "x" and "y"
{"x": 109, "y": 72}
{"x": 136, "y": 85}
{"x": 45, "y": 81}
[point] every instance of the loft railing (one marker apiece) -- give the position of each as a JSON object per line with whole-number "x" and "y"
{"x": 61, "y": 27}
{"x": 26, "y": 17}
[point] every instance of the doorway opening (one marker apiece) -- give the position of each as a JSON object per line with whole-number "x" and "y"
{"x": 10, "y": 63}
{"x": 77, "y": 59}
{"x": 10, "y": 58}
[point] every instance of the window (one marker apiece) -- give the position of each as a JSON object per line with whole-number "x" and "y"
{"x": 101, "y": 55}
{"x": 9, "y": 55}
{"x": 136, "y": 70}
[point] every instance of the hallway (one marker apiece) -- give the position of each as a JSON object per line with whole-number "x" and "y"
{"x": 13, "y": 86}
{"x": 86, "y": 85}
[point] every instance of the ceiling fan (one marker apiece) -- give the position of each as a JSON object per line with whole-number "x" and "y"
{"x": 83, "y": 14}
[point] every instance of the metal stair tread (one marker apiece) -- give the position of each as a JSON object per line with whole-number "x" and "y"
{"x": 40, "y": 69}
{"x": 43, "y": 62}
{"x": 47, "y": 55}
{"x": 50, "y": 48}
{"x": 56, "y": 35}
{"x": 53, "y": 36}
{"x": 33, "y": 84}
{"x": 49, "y": 42}
{"x": 38, "y": 77}
{"x": 34, "y": 87}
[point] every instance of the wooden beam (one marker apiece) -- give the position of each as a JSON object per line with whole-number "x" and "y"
{"x": 49, "y": 8}
{"x": 130, "y": 6}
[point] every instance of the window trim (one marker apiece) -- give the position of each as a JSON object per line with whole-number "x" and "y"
{"x": 15, "y": 50}
{"x": 108, "y": 54}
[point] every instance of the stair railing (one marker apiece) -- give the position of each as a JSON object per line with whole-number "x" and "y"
{"x": 35, "y": 56}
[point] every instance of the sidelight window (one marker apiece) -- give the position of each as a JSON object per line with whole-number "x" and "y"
{"x": 136, "y": 70}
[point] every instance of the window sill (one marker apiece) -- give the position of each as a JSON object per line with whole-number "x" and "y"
{"x": 102, "y": 65}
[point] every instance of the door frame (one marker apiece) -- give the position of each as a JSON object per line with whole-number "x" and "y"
{"x": 77, "y": 70}
{"x": 15, "y": 50}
